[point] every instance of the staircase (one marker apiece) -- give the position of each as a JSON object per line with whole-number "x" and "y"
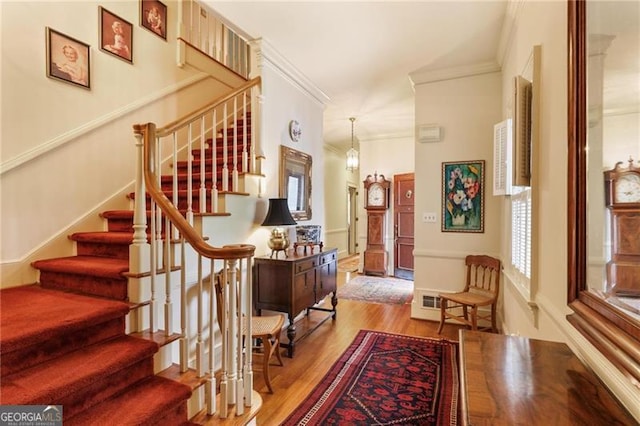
{"x": 63, "y": 340}
{"x": 67, "y": 349}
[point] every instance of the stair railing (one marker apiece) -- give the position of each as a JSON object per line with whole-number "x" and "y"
{"x": 175, "y": 241}
{"x": 200, "y": 27}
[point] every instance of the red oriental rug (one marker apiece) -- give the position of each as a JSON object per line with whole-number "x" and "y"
{"x": 386, "y": 379}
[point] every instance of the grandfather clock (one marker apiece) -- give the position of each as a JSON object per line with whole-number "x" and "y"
{"x": 376, "y": 203}
{"x": 622, "y": 197}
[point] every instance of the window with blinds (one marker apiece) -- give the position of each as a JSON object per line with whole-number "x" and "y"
{"x": 521, "y": 231}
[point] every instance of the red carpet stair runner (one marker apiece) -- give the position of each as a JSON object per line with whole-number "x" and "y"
{"x": 63, "y": 342}
{"x": 65, "y": 349}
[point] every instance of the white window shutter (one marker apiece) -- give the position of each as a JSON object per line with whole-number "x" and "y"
{"x": 502, "y": 158}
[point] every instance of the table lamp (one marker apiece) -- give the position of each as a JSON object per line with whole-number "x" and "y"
{"x": 277, "y": 216}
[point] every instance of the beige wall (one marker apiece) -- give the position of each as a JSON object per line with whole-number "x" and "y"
{"x": 466, "y": 108}
{"x": 336, "y": 183}
{"x": 549, "y": 289}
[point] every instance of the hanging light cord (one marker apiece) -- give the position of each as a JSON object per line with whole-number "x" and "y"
{"x": 352, "y": 120}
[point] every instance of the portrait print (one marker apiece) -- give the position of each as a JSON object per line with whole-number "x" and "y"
{"x": 116, "y": 35}
{"x": 153, "y": 16}
{"x": 67, "y": 59}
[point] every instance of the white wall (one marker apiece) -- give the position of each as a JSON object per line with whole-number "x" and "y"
{"x": 466, "y": 108}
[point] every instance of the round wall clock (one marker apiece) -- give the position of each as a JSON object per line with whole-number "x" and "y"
{"x": 295, "y": 131}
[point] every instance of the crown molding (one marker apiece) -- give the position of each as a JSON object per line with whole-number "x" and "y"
{"x": 512, "y": 15}
{"x": 266, "y": 55}
{"x": 334, "y": 149}
{"x": 432, "y": 76}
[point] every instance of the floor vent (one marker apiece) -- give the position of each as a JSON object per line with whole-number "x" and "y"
{"x": 430, "y": 301}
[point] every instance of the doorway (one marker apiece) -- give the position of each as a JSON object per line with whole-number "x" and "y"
{"x": 352, "y": 220}
{"x": 403, "y": 208}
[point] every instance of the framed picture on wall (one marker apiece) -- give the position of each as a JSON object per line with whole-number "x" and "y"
{"x": 153, "y": 16}
{"x": 463, "y": 196}
{"x": 116, "y": 35}
{"x": 67, "y": 59}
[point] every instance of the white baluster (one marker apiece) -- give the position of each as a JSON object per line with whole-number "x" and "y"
{"x": 214, "y": 164}
{"x": 203, "y": 190}
{"x": 225, "y": 169}
{"x": 184, "y": 341}
{"x": 200, "y": 370}
{"x": 248, "y": 366}
{"x": 210, "y": 390}
{"x": 234, "y": 174}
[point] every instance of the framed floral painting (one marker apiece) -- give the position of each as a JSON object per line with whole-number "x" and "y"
{"x": 463, "y": 196}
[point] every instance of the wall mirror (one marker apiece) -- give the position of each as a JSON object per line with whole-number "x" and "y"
{"x": 603, "y": 129}
{"x": 295, "y": 182}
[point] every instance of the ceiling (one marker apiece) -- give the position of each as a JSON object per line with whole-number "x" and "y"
{"x": 360, "y": 53}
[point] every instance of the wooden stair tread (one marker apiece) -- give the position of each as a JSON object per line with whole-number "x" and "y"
{"x": 188, "y": 378}
{"x": 159, "y": 337}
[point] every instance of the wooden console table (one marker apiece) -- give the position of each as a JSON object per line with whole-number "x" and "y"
{"x": 507, "y": 380}
{"x": 294, "y": 284}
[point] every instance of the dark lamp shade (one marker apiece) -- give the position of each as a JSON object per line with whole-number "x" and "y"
{"x": 278, "y": 213}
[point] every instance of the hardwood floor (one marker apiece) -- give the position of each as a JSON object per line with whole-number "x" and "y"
{"x": 315, "y": 354}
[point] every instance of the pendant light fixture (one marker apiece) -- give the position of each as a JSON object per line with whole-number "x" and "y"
{"x": 353, "y": 160}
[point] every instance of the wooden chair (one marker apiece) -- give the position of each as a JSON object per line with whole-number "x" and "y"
{"x": 266, "y": 328}
{"x": 481, "y": 289}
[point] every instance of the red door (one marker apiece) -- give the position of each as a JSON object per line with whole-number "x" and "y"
{"x": 403, "y": 210}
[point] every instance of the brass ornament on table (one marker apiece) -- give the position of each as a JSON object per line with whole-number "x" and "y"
{"x": 278, "y": 215}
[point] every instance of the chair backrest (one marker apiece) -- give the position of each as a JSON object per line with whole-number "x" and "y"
{"x": 219, "y": 296}
{"x": 483, "y": 275}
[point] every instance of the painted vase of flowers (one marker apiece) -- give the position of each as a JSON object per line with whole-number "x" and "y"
{"x": 463, "y": 196}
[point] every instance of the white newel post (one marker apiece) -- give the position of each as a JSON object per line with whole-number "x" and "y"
{"x": 248, "y": 365}
{"x": 139, "y": 250}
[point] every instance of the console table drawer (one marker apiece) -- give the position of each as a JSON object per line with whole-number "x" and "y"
{"x": 305, "y": 265}
{"x": 328, "y": 258}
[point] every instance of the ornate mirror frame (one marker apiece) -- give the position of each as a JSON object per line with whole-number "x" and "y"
{"x": 295, "y": 182}
{"x": 614, "y": 333}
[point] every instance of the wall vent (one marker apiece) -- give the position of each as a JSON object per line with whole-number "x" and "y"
{"x": 430, "y": 301}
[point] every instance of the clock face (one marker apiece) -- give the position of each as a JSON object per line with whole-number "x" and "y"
{"x": 627, "y": 189}
{"x": 376, "y": 196}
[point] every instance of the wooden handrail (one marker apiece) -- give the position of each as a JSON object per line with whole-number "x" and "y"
{"x": 181, "y": 122}
{"x": 148, "y": 133}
